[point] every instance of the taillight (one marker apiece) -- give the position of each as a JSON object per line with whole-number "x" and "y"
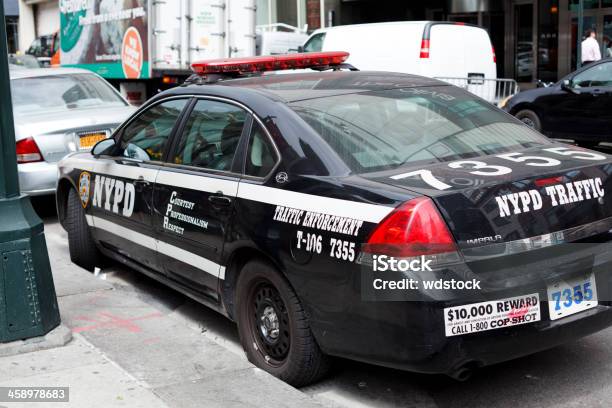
{"x": 494, "y": 56}
{"x": 27, "y": 151}
{"x": 424, "y": 48}
{"x": 412, "y": 229}
{"x": 548, "y": 181}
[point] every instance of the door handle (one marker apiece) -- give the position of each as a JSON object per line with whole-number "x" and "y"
{"x": 140, "y": 183}
{"x": 220, "y": 201}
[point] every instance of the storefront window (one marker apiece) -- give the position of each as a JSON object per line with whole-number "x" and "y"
{"x": 587, "y": 22}
{"x": 12, "y": 33}
{"x": 524, "y": 47}
{"x": 588, "y": 4}
{"x": 607, "y": 36}
{"x": 548, "y": 29}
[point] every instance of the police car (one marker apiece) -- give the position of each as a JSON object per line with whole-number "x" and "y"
{"x": 381, "y": 217}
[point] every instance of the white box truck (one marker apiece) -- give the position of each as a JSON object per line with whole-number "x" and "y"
{"x": 143, "y": 46}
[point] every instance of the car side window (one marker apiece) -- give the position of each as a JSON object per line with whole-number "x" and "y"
{"x": 146, "y": 137}
{"x": 211, "y": 136}
{"x": 261, "y": 155}
{"x": 315, "y": 44}
{"x": 599, "y": 75}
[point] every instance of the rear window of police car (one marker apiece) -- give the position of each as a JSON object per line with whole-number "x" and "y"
{"x": 381, "y": 130}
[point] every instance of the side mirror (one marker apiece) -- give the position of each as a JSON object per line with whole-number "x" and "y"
{"x": 300, "y": 48}
{"x": 568, "y": 86}
{"x": 102, "y": 147}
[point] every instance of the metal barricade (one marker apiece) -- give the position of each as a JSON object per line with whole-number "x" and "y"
{"x": 492, "y": 90}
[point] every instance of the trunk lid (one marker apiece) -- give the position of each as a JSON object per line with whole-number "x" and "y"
{"x": 516, "y": 200}
{"x": 60, "y": 133}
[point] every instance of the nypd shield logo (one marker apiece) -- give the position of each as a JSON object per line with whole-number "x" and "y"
{"x": 84, "y": 183}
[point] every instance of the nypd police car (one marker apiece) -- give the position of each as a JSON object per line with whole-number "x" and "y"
{"x": 381, "y": 217}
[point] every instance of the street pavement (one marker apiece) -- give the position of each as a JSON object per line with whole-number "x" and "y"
{"x": 163, "y": 349}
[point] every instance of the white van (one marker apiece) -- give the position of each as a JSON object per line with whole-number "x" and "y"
{"x": 437, "y": 49}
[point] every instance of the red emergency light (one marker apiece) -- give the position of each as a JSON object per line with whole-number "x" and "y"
{"x": 269, "y": 63}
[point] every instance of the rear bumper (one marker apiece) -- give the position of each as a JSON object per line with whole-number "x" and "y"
{"x": 411, "y": 335}
{"x": 423, "y": 347}
{"x": 498, "y": 346}
{"x": 38, "y": 178}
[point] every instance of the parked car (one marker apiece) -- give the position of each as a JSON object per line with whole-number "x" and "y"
{"x": 578, "y": 107}
{"x": 23, "y": 60}
{"x": 266, "y": 198}
{"x": 58, "y": 111}
{"x": 415, "y": 47}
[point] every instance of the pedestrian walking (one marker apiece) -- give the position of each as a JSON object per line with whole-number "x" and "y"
{"x": 590, "y": 48}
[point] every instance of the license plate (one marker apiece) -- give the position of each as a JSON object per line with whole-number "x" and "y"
{"x": 476, "y": 79}
{"x": 568, "y": 297}
{"x": 88, "y": 140}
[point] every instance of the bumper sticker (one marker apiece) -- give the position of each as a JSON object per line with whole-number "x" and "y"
{"x": 496, "y": 314}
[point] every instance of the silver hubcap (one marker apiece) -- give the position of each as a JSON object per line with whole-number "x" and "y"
{"x": 269, "y": 325}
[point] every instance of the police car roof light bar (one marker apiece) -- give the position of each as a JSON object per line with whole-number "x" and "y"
{"x": 236, "y": 66}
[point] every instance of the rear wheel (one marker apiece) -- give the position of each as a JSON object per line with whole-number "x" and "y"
{"x": 83, "y": 250}
{"x": 530, "y": 118}
{"x": 273, "y": 327}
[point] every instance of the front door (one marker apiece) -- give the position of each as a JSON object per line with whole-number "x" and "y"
{"x": 122, "y": 184}
{"x": 587, "y": 113}
{"x": 194, "y": 196}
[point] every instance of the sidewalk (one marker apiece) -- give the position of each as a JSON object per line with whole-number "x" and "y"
{"x": 127, "y": 352}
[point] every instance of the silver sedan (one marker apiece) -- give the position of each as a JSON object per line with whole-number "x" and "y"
{"x": 58, "y": 111}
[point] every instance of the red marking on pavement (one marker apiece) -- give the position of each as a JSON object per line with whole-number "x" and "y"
{"x": 109, "y": 321}
{"x": 151, "y": 340}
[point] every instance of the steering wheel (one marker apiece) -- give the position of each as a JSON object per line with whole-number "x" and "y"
{"x": 208, "y": 149}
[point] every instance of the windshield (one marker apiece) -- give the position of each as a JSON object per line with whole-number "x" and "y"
{"x": 61, "y": 93}
{"x": 382, "y": 130}
{"x": 315, "y": 43}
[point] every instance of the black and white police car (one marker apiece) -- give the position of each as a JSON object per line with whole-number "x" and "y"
{"x": 266, "y": 197}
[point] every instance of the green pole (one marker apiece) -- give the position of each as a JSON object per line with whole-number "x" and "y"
{"x": 28, "y": 304}
{"x": 579, "y": 33}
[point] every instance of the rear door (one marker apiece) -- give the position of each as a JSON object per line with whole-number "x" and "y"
{"x": 447, "y": 43}
{"x": 122, "y": 184}
{"x": 195, "y": 193}
{"x": 470, "y": 50}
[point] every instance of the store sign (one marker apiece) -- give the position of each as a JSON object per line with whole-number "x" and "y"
{"x": 108, "y": 37}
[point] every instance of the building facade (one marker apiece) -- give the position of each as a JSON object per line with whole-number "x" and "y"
{"x": 37, "y": 18}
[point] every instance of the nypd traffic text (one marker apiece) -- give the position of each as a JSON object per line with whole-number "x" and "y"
{"x": 559, "y": 194}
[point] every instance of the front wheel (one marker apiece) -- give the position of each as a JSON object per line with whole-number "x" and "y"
{"x": 530, "y": 118}
{"x": 273, "y": 327}
{"x": 83, "y": 250}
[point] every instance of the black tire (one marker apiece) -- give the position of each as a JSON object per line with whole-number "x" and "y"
{"x": 530, "y": 118}
{"x": 83, "y": 250}
{"x": 263, "y": 297}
